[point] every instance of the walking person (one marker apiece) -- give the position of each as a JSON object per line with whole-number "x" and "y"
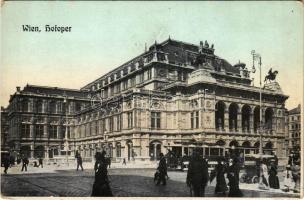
{"x": 101, "y": 186}
{"x": 40, "y": 161}
{"x": 264, "y": 184}
{"x": 79, "y": 162}
{"x": 288, "y": 183}
{"x": 273, "y": 177}
{"x": 162, "y": 168}
{"x": 197, "y": 176}
{"x": 233, "y": 177}
{"x": 124, "y": 161}
{"x": 219, "y": 173}
{"x": 6, "y": 163}
{"x": 296, "y": 174}
{"x": 25, "y": 162}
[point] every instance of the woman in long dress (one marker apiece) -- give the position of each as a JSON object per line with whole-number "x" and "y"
{"x": 273, "y": 177}
{"x": 101, "y": 186}
{"x": 219, "y": 173}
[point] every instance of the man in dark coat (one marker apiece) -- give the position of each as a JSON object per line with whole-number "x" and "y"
{"x": 40, "y": 161}
{"x": 79, "y": 162}
{"x": 6, "y": 163}
{"x": 197, "y": 176}
{"x": 25, "y": 162}
{"x": 233, "y": 177}
{"x": 162, "y": 168}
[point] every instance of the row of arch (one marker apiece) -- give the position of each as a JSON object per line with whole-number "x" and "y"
{"x": 246, "y": 112}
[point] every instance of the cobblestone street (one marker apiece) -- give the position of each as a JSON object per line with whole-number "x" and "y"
{"x": 128, "y": 182}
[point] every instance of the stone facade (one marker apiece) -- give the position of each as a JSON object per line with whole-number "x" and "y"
{"x": 175, "y": 96}
{"x": 294, "y": 130}
{"x": 38, "y": 117}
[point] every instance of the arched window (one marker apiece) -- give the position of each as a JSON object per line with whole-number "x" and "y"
{"x": 246, "y": 118}
{"x": 219, "y": 115}
{"x": 268, "y": 119}
{"x": 256, "y": 118}
{"x": 233, "y": 111}
{"x": 39, "y": 106}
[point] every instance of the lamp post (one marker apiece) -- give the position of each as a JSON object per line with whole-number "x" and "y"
{"x": 257, "y": 57}
{"x": 66, "y": 143}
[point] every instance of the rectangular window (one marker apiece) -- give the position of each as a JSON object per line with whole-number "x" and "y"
{"x": 155, "y": 120}
{"x": 130, "y": 120}
{"x": 111, "y": 124}
{"x": 118, "y": 122}
{"x": 192, "y": 120}
{"x": 39, "y": 131}
{"x": 133, "y": 81}
{"x": 53, "y": 132}
{"x": 196, "y": 119}
{"x": 88, "y": 129}
{"x": 125, "y": 85}
{"x": 25, "y": 130}
{"x": 141, "y": 77}
{"x": 149, "y": 74}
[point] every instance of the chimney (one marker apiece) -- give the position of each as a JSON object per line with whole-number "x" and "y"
{"x": 18, "y": 88}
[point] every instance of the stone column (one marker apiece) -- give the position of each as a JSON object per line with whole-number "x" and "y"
{"x": 32, "y": 150}
{"x": 239, "y": 121}
{"x": 58, "y": 131}
{"x": 32, "y": 133}
{"x": 155, "y": 151}
{"x": 45, "y": 131}
{"x": 251, "y": 121}
{"x": 226, "y": 120}
{"x": 46, "y": 153}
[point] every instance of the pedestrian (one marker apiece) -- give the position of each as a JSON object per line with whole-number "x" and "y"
{"x": 101, "y": 185}
{"x": 219, "y": 173}
{"x": 40, "y": 161}
{"x": 6, "y": 163}
{"x": 109, "y": 161}
{"x": 18, "y": 159}
{"x": 12, "y": 160}
{"x": 197, "y": 176}
{"x": 79, "y": 162}
{"x": 162, "y": 168}
{"x": 288, "y": 184}
{"x": 264, "y": 184}
{"x": 25, "y": 162}
{"x": 35, "y": 164}
{"x": 296, "y": 174}
{"x": 273, "y": 177}
{"x": 124, "y": 161}
{"x": 233, "y": 177}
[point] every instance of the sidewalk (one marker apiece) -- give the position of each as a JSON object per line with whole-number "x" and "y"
{"x": 255, "y": 187}
{"x": 52, "y": 168}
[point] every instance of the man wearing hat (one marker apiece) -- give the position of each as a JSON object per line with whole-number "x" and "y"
{"x": 162, "y": 168}
{"x": 197, "y": 176}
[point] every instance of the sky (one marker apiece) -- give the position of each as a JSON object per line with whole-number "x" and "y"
{"x": 105, "y": 35}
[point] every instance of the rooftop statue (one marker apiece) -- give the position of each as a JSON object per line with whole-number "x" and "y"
{"x": 271, "y": 75}
{"x": 206, "y": 44}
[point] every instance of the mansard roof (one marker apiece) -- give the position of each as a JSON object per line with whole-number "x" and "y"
{"x": 51, "y": 91}
{"x": 296, "y": 110}
{"x": 179, "y": 52}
